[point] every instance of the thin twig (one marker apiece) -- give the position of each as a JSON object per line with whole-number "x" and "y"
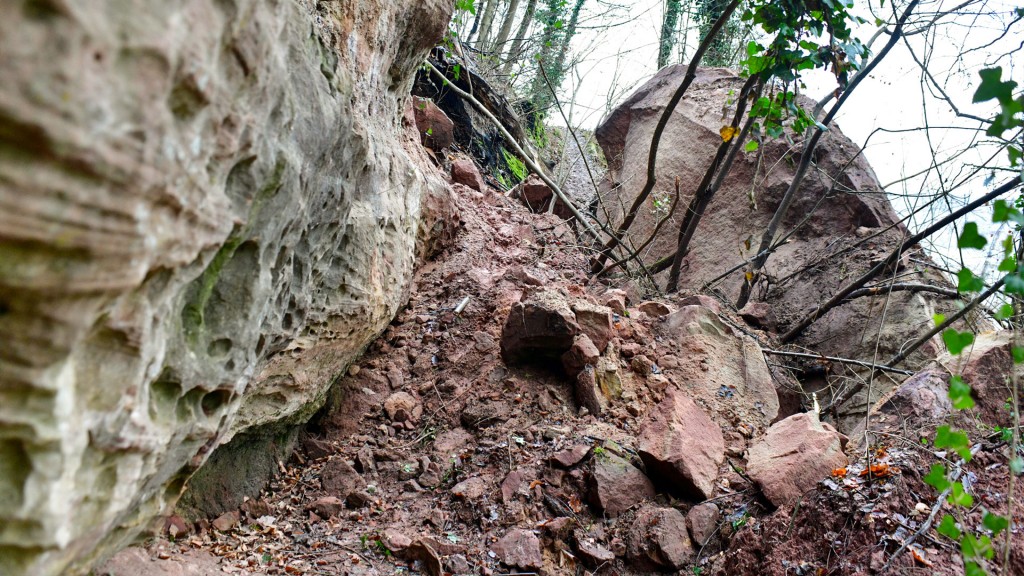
{"x": 841, "y": 295}
{"x": 839, "y": 360}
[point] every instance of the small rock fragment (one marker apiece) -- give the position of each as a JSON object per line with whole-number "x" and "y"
{"x": 582, "y": 353}
{"x": 593, "y": 553}
{"x": 477, "y": 415}
{"x": 340, "y": 479}
{"x": 226, "y": 521}
{"x": 470, "y": 489}
{"x": 519, "y": 549}
{"x": 465, "y": 172}
{"x": 571, "y": 457}
{"x": 615, "y": 299}
{"x": 654, "y": 309}
{"x": 616, "y": 485}
{"x": 327, "y": 506}
{"x": 702, "y": 521}
{"x": 402, "y": 407}
{"x": 658, "y": 536}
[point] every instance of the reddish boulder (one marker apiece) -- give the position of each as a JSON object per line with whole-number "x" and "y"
{"x": 617, "y": 485}
{"x": 793, "y": 456}
{"x": 582, "y": 353}
{"x": 658, "y": 537}
{"x": 588, "y": 392}
{"x": 543, "y": 325}
{"x": 987, "y": 370}
{"x": 595, "y": 321}
{"x": 465, "y": 172}
{"x": 682, "y": 447}
{"x": 437, "y": 131}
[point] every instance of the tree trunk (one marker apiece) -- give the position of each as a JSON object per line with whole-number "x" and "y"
{"x": 554, "y": 49}
{"x": 517, "y": 42}
{"x": 668, "y": 31}
{"x": 485, "y": 25}
{"x": 506, "y": 27}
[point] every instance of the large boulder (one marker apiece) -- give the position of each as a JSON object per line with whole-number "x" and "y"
{"x": 846, "y": 221}
{"x": 794, "y": 456}
{"x": 210, "y": 208}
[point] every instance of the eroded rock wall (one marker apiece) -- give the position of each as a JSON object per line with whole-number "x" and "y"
{"x": 206, "y": 211}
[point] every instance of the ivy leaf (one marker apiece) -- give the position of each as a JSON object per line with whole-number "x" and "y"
{"x": 1014, "y": 284}
{"x": 751, "y": 146}
{"x": 1017, "y": 465}
{"x": 992, "y": 86}
{"x": 939, "y": 319}
{"x": 1005, "y": 311}
{"x": 1009, "y": 264}
{"x": 948, "y": 528}
{"x": 946, "y": 437}
{"x": 1003, "y": 212}
{"x": 995, "y": 523}
{"x": 1018, "y": 354}
{"x": 970, "y": 238}
{"x": 960, "y": 393}
{"x": 968, "y": 282}
{"x": 957, "y": 341}
{"x": 937, "y": 478}
{"x": 960, "y": 497}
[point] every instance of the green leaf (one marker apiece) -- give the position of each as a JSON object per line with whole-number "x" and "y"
{"x": 995, "y": 523}
{"x": 959, "y": 497}
{"x": 968, "y": 282}
{"x": 1008, "y": 264}
{"x": 948, "y": 528}
{"x": 955, "y": 440}
{"x": 937, "y": 478}
{"x": 1014, "y": 284}
{"x": 992, "y": 86}
{"x": 960, "y": 393}
{"x": 970, "y": 238}
{"x": 939, "y": 319}
{"x": 957, "y": 341}
{"x": 1017, "y": 465}
{"x": 1005, "y": 312}
{"x": 751, "y": 146}
{"x": 974, "y": 569}
{"x": 1018, "y": 354}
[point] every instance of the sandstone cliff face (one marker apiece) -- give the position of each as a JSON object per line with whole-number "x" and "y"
{"x": 845, "y": 223}
{"x": 195, "y": 199}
